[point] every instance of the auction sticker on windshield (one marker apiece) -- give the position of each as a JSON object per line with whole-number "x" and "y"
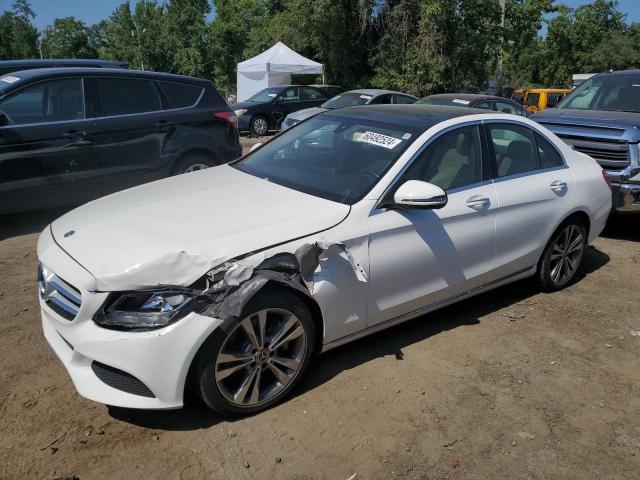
{"x": 463, "y": 102}
{"x": 379, "y": 140}
{"x": 9, "y": 79}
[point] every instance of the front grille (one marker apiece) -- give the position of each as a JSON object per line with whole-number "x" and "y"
{"x": 120, "y": 380}
{"x": 61, "y": 297}
{"x": 610, "y": 155}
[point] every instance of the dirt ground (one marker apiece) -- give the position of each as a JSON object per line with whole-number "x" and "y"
{"x": 512, "y": 384}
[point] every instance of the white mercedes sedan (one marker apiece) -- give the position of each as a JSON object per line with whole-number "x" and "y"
{"x": 227, "y": 281}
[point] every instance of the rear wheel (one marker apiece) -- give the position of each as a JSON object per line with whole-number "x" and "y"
{"x": 562, "y": 256}
{"x": 253, "y": 362}
{"x": 192, "y": 163}
{"x": 259, "y": 125}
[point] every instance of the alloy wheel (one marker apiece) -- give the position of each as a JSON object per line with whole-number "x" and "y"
{"x": 260, "y": 357}
{"x": 195, "y": 167}
{"x": 260, "y": 126}
{"x": 566, "y": 254}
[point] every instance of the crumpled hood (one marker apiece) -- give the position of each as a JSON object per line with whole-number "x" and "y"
{"x": 306, "y": 113}
{"x": 172, "y": 231}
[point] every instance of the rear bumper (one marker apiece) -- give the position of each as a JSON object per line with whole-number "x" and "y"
{"x": 626, "y": 197}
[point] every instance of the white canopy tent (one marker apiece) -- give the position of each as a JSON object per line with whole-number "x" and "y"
{"x": 271, "y": 68}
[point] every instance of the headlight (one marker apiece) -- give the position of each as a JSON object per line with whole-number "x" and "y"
{"x": 240, "y": 111}
{"x": 144, "y": 309}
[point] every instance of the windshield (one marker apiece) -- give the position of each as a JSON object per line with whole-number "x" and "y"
{"x": 619, "y": 93}
{"x": 443, "y": 101}
{"x": 348, "y": 99}
{"x": 265, "y": 95}
{"x": 337, "y": 158}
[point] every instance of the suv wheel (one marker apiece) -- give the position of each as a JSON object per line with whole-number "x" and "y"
{"x": 562, "y": 256}
{"x": 252, "y": 362}
{"x": 192, "y": 163}
{"x": 259, "y": 125}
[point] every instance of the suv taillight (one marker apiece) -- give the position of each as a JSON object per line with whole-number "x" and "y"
{"x": 229, "y": 116}
{"x": 606, "y": 177}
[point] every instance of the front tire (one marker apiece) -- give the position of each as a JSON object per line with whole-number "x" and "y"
{"x": 562, "y": 256}
{"x": 253, "y": 362}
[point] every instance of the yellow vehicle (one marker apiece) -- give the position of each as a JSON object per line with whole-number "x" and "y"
{"x": 538, "y": 99}
{"x": 518, "y": 95}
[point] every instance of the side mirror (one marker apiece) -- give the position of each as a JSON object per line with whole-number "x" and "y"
{"x": 255, "y": 146}
{"x": 417, "y": 194}
{"x": 4, "y": 120}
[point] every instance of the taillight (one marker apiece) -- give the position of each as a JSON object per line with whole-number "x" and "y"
{"x": 606, "y": 177}
{"x": 229, "y": 116}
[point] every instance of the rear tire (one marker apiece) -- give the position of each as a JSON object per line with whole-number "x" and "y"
{"x": 191, "y": 163}
{"x": 562, "y": 256}
{"x": 259, "y": 126}
{"x": 253, "y": 362}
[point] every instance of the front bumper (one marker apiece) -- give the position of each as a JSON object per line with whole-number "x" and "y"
{"x": 626, "y": 197}
{"x": 159, "y": 360}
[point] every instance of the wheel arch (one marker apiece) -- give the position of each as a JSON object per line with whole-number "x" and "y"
{"x": 579, "y": 214}
{"x": 195, "y": 150}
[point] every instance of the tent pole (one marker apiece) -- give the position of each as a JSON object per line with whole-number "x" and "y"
{"x": 323, "y": 74}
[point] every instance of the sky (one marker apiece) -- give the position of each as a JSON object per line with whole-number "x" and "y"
{"x": 92, "y": 11}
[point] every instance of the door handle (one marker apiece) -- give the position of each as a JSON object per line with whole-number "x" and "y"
{"x": 558, "y": 185}
{"x": 80, "y": 137}
{"x": 478, "y": 202}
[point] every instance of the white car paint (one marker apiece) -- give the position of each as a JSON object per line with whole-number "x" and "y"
{"x": 415, "y": 261}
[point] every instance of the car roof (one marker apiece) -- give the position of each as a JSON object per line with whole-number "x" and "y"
{"x": 548, "y": 90}
{"x": 620, "y": 73}
{"x": 376, "y": 91}
{"x": 418, "y": 116}
{"x": 59, "y": 61}
{"x": 471, "y": 97}
{"x": 44, "y": 73}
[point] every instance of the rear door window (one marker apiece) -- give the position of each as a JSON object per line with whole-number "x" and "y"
{"x": 290, "y": 95}
{"x": 513, "y": 148}
{"x": 180, "y": 95}
{"x": 404, "y": 99}
{"x": 125, "y": 96}
{"x": 310, "y": 94}
{"x": 52, "y": 101}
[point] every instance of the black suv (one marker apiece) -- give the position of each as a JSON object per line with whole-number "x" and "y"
{"x": 69, "y": 135}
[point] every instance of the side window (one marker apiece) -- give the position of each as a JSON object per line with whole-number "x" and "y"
{"x": 506, "y": 107}
{"x": 483, "y": 105}
{"x": 452, "y": 160}
{"x": 310, "y": 94}
{"x": 532, "y": 99}
{"x": 52, "y": 101}
{"x": 513, "y": 147}
{"x": 404, "y": 99}
{"x": 290, "y": 95}
{"x": 122, "y": 96}
{"x": 553, "y": 99}
{"x": 180, "y": 95}
{"x": 549, "y": 156}
{"x": 381, "y": 100}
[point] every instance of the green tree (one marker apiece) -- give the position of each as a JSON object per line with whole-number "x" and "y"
{"x": 228, "y": 37}
{"x": 67, "y": 38}
{"x": 572, "y": 37}
{"x": 619, "y": 51}
{"x": 186, "y": 35}
{"x": 18, "y": 36}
